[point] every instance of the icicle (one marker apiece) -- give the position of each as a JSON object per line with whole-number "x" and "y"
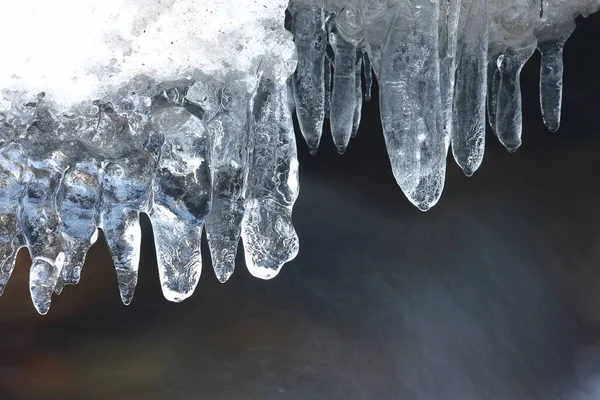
{"x": 358, "y": 91}
{"x": 77, "y": 203}
{"x": 368, "y": 73}
{"x": 125, "y": 190}
{"x": 551, "y": 73}
{"x": 229, "y": 135}
{"x": 509, "y": 118}
{"x": 181, "y": 200}
{"x": 272, "y": 188}
{"x": 410, "y": 102}
{"x": 308, "y": 27}
{"x": 343, "y": 98}
{"x": 12, "y": 169}
{"x": 468, "y": 133}
{"x": 41, "y": 227}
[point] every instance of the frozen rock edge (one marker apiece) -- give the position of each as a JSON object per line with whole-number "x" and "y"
{"x": 212, "y": 148}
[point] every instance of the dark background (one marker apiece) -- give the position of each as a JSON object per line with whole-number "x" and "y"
{"x": 492, "y": 294}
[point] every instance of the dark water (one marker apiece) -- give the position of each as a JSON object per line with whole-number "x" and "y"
{"x": 494, "y": 294}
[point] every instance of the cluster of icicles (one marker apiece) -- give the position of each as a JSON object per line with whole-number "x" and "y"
{"x": 436, "y": 61}
{"x": 220, "y": 155}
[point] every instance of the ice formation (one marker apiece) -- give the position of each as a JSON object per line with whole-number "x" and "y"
{"x": 168, "y": 107}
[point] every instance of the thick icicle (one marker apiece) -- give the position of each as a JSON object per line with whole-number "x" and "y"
{"x": 343, "y": 98}
{"x": 468, "y": 133}
{"x": 308, "y": 27}
{"x": 41, "y": 227}
{"x": 358, "y": 93}
{"x": 509, "y": 114}
{"x": 410, "y": 102}
{"x": 181, "y": 201}
{"x": 125, "y": 189}
{"x": 12, "y": 168}
{"x": 269, "y": 237}
{"x": 229, "y": 135}
{"x": 77, "y": 203}
{"x": 551, "y": 75}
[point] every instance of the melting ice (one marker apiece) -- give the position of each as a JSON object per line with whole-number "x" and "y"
{"x": 171, "y": 108}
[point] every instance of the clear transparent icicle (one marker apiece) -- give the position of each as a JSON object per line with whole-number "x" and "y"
{"x": 229, "y": 134}
{"x": 308, "y": 27}
{"x": 181, "y": 200}
{"x": 125, "y": 191}
{"x": 40, "y": 223}
{"x": 468, "y": 132}
{"x": 78, "y": 200}
{"x": 551, "y": 72}
{"x": 509, "y": 117}
{"x": 411, "y": 104}
{"x": 551, "y": 76}
{"x": 269, "y": 237}
{"x": 343, "y": 98}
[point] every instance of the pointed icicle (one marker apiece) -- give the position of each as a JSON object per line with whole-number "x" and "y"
{"x": 368, "y": 73}
{"x": 229, "y": 163}
{"x": 358, "y": 91}
{"x": 551, "y": 76}
{"x": 343, "y": 97}
{"x": 410, "y": 101}
{"x": 78, "y": 206}
{"x": 13, "y": 163}
{"x": 269, "y": 237}
{"x": 509, "y": 118}
{"x": 308, "y": 27}
{"x": 468, "y": 133}
{"x": 181, "y": 200}
{"x": 125, "y": 190}
{"x": 41, "y": 227}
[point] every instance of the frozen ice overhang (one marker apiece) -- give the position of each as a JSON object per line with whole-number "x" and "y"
{"x": 174, "y": 109}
